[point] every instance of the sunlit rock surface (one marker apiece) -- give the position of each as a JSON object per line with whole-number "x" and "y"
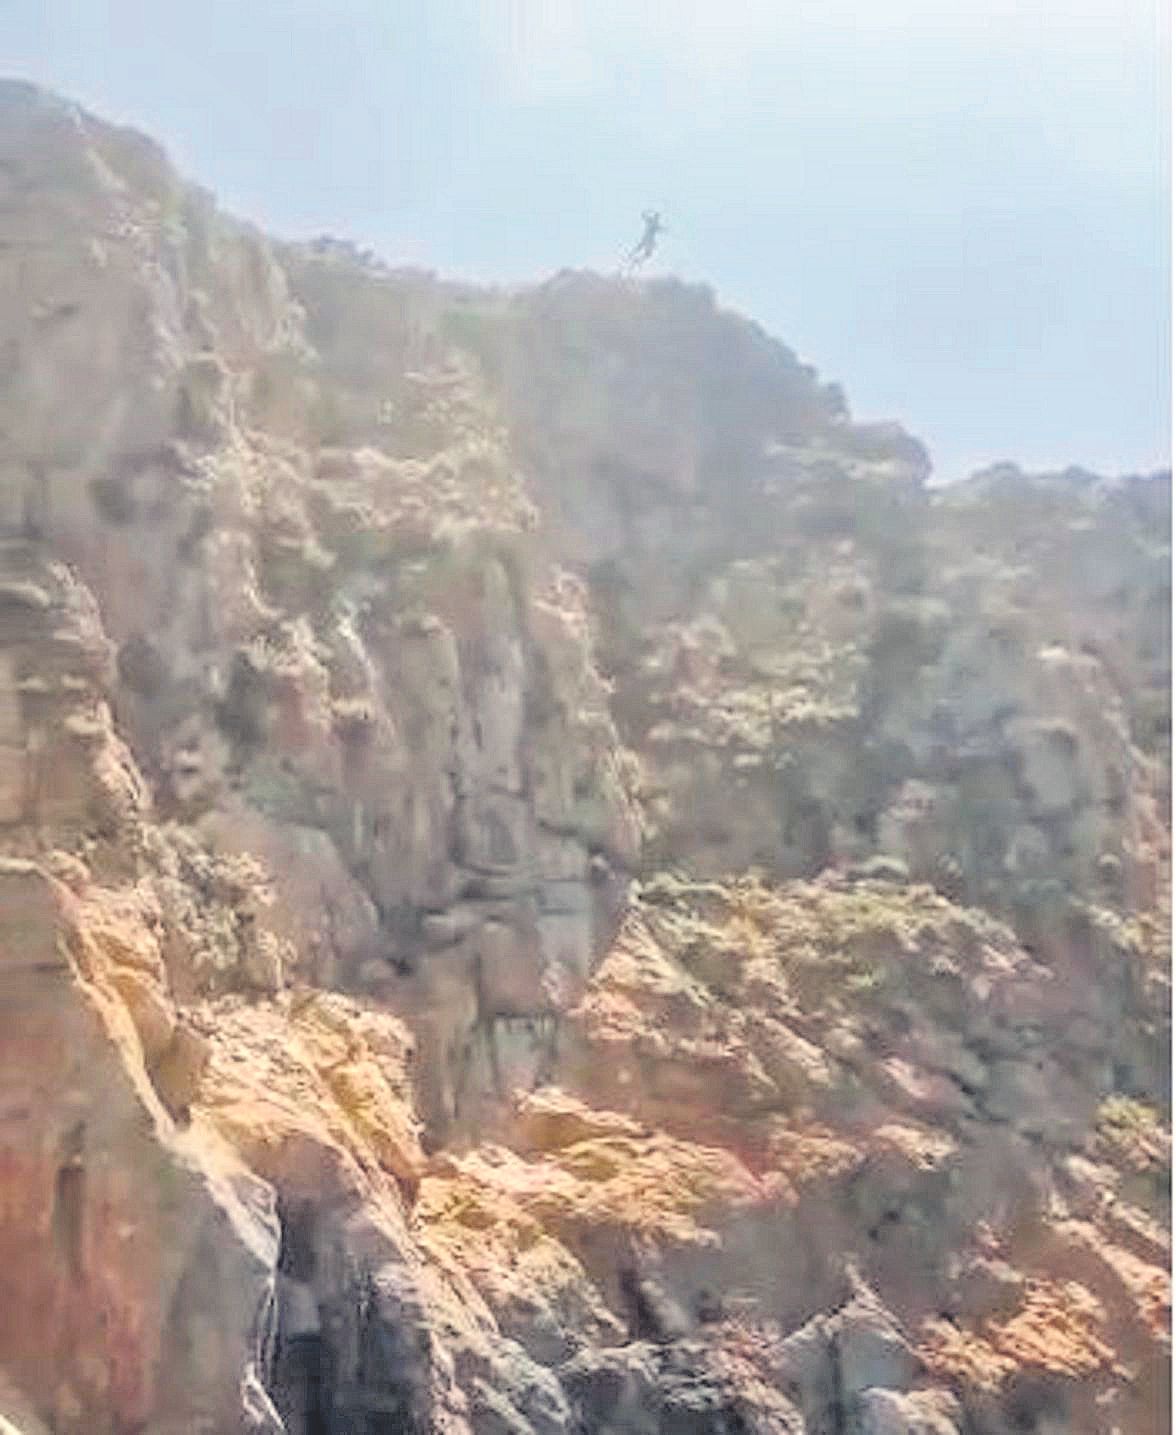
{"x": 548, "y": 883}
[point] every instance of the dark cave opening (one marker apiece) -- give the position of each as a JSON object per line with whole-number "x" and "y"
{"x": 342, "y": 1364}
{"x": 301, "y": 1381}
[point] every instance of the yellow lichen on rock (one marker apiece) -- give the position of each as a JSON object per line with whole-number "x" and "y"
{"x": 309, "y": 1083}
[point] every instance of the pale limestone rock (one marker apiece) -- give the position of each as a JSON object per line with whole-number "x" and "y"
{"x": 886, "y": 1412}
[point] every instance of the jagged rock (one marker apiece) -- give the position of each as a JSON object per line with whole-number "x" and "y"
{"x": 179, "y": 1070}
{"x": 142, "y": 1270}
{"x": 885, "y": 1412}
{"x": 526, "y": 829}
{"x": 986, "y": 1288}
{"x": 870, "y": 1349}
{"x": 650, "y": 1388}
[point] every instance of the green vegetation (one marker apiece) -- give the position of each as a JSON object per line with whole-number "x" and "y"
{"x": 853, "y": 937}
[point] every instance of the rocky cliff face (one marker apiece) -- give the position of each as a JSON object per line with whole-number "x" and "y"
{"x": 548, "y": 883}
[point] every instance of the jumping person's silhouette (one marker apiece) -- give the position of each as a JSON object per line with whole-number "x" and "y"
{"x": 645, "y": 246}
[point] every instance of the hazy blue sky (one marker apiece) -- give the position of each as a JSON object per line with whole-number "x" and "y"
{"x": 958, "y": 209}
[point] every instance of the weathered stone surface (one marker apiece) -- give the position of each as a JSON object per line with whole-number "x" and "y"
{"x": 886, "y": 1412}
{"x": 140, "y": 1266}
{"x": 547, "y": 883}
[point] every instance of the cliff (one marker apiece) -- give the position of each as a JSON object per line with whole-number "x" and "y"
{"x": 548, "y": 883}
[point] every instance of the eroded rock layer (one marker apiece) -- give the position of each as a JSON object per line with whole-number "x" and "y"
{"x": 547, "y": 882}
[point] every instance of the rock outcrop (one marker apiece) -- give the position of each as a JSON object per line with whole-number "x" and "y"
{"x": 548, "y": 883}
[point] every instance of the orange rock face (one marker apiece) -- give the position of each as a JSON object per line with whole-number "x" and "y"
{"x": 108, "y": 1217}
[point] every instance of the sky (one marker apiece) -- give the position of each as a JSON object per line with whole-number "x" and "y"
{"x": 958, "y": 209}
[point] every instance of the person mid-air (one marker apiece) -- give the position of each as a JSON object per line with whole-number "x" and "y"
{"x": 645, "y": 246}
